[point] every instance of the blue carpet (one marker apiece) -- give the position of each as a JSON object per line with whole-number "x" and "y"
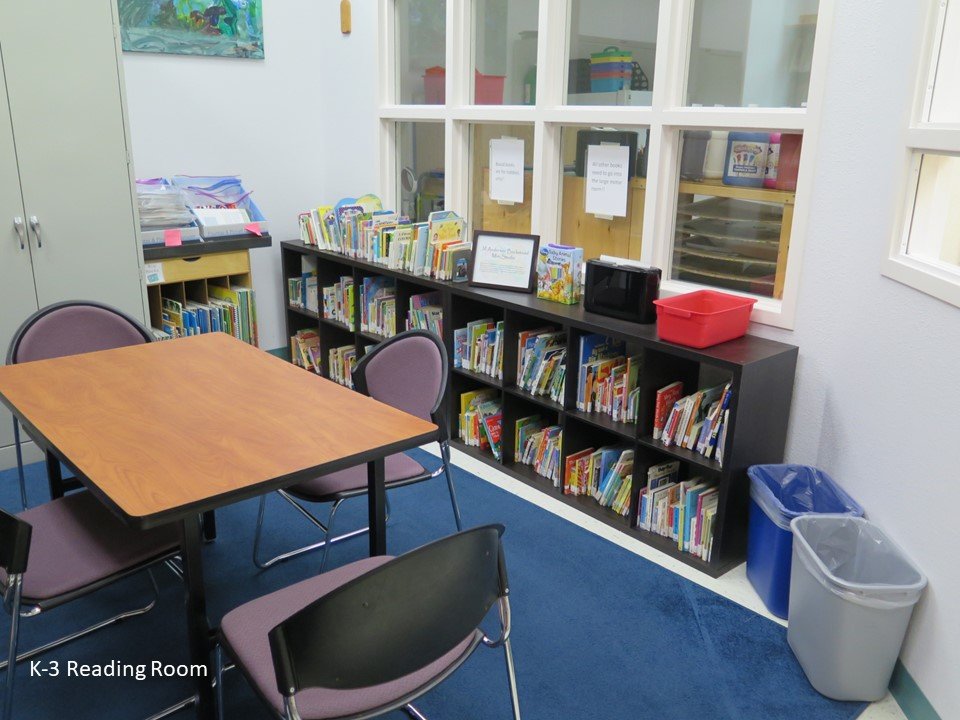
{"x": 598, "y": 631}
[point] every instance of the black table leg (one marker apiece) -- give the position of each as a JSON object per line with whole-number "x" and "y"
{"x": 198, "y": 626}
{"x": 54, "y": 476}
{"x": 210, "y": 525}
{"x": 377, "y": 507}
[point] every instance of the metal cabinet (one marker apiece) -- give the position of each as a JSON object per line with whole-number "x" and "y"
{"x": 68, "y": 219}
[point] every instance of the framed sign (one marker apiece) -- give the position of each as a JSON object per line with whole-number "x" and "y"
{"x": 505, "y": 261}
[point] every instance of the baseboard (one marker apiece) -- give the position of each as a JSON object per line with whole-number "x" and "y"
{"x": 909, "y": 696}
{"x": 8, "y": 454}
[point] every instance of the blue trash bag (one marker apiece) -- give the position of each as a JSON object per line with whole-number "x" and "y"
{"x": 784, "y": 492}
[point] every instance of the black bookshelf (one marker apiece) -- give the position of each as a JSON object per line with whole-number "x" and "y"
{"x": 762, "y": 373}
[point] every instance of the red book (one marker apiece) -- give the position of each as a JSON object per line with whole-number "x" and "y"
{"x": 666, "y": 397}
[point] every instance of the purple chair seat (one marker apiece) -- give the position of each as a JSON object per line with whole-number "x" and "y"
{"x": 245, "y": 632}
{"x": 354, "y": 479}
{"x": 77, "y": 542}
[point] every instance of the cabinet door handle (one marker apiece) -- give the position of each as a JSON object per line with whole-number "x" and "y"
{"x": 35, "y": 226}
{"x": 18, "y": 224}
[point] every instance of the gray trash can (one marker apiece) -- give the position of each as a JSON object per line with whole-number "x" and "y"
{"x": 852, "y": 591}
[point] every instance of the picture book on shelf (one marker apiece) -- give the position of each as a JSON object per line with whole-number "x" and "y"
{"x": 558, "y": 273}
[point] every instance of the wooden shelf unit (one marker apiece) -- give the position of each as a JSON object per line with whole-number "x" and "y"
{"x": 189, "y": 270}
{"x": 762, "y": 372}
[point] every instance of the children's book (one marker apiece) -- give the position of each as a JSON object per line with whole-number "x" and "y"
{"x": 558, "y": 273}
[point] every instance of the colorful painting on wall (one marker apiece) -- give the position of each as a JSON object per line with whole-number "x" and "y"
{"x": 225, "y": 28}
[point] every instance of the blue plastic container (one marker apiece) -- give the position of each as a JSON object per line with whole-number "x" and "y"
{"x": 779, "y": 493}
{"x": 746, "y": 161}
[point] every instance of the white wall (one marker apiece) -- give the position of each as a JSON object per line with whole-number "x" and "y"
{"x": 298, "y": 126}
{"x": 877, "y": 394}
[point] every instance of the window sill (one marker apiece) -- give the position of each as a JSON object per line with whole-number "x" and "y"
{"x": 936, "y": 279}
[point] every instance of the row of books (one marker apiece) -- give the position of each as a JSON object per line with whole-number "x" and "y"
{"x": 481, "y": 420}
{"x": 608, "y": 378}
{"x": 305, "y": 350}
{"x": 605, "y": 474}
{"x": 342, "y": 361}
{"x": 682, "y": 510}
{"x": 361, "y": 228}
{"x": 541, "y": 362}
{"x": 231, "y": 310}
{"x": 479, "y": 347}
{"x": 696, "y": 422}
{"x": 338, "y": 301}
{"x": 378, "y": 305}
{"x": 426, "y": 313}
{"x": 539, "y": 446}
{"x": 302, "y": 293}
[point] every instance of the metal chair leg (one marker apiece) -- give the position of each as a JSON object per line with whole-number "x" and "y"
{"x": 23, "y": 481}
{"x": 218, "y": 659}
{"x": 445, "y": 456}
{"x": 258, "y": 534}
{"x": 412, "y": 712}
{"x": 512, "y": 679}
{"x": 16, "y": 582}
{"x": 326, "y": 546}
{"x": 86, "y": 631}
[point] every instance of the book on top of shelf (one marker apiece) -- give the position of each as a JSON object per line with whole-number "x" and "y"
{"x": 476, "y": 406}
{"x": 426, "y": 313}
{"x": 594, "y": 348}
{"x": 696, "y": 422}
{"x": 559, "y": 269}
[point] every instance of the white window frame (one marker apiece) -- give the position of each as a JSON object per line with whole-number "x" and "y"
{"x": 941, "y": 280}
{"x": 666, "y": 117}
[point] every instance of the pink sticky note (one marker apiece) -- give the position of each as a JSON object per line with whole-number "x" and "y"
{"x": 253, "y": 227}
{"x": 172, "y": 238}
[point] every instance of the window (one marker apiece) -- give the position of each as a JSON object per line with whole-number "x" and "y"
{"x": 492, "y": 213}
{"x": 421, "y": 51}
{"x": 735, "y": 199}
{"x": 612, "y": 55}
{"x": 505, "y": 38}
{"x": 524, "y": 80}
{"x": 925, "y": 253}
{"x": 746, "y": 53}
{"x": 420, "y": 175}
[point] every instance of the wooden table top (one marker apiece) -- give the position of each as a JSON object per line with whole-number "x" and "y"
{"x": 170, "y": 428}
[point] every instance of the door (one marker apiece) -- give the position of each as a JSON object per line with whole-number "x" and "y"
{"x": 66, "y": 105}
{"x": 18, "y": 298}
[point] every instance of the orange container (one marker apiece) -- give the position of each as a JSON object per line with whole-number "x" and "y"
{"x": 703, "y": 318}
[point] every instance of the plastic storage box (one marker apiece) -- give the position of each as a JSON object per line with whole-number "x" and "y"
{"x": 703, "y": 318}
{"x": 852, "y": 592}
{"x": 778, "y": 494}
{"x": 611, "y": 70}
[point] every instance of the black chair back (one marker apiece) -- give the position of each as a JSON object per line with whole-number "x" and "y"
{"x": 394, "y": 620}
{"x": 14, "y": 543}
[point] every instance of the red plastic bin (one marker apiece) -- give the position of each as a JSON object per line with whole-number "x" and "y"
{"x": 488, "y": 89}
{"x": 703, "y": 318}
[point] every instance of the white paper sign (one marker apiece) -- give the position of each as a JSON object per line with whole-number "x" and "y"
{"x": 503, "y": 260}
{"x": 506, "y": 170}
{"x": 153, "y": 273}
{"x": 607, "y": 180}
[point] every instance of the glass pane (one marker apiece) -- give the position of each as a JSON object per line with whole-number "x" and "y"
{"x": 935, "y": 230}
{"x": 421, "y": 51}
{"x": 509, "y": 207}
{"x": 735, "y": 209}
{"x": 420, "y": 168}
{"x": 612, "y": 49}
{"x": 505, "y": 42}
{"x": 945, "y": 104}
{"x": 746, "y": 53}
{"x": 600, "y": 233}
